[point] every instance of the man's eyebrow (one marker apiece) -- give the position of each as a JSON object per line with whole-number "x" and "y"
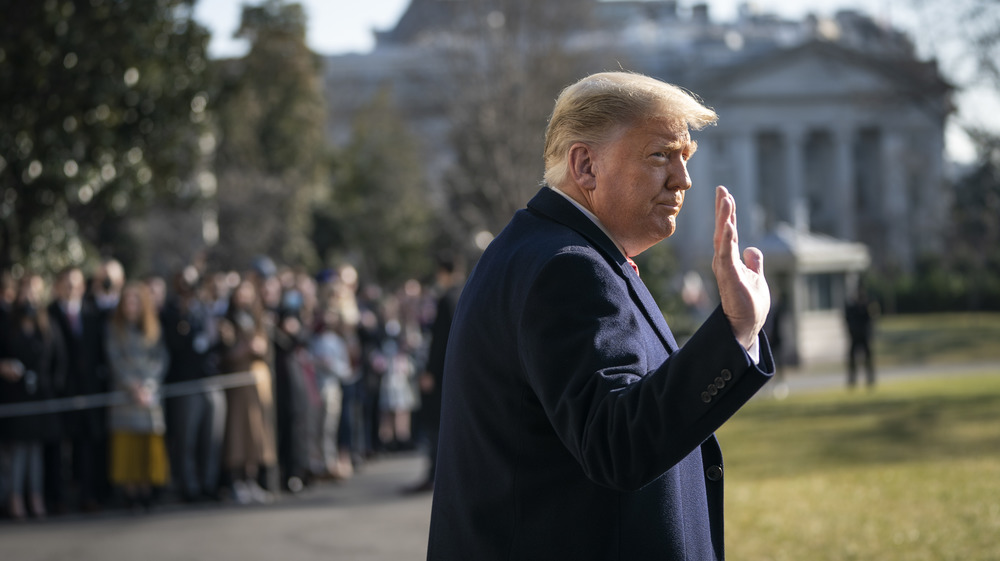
{"x": 685, "y": 145}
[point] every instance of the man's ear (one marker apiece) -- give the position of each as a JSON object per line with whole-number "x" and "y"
{"x": 581, "y": 166}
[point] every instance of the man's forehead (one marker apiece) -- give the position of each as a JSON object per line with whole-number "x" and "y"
{"x": 664, "y": 132}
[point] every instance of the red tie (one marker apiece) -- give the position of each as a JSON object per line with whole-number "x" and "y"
{"x": 634, "y": 266}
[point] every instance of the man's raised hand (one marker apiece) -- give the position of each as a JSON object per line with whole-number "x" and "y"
{"x": 742, "y": 287}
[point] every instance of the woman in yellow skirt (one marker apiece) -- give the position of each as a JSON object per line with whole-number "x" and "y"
{"x": 138, "y": 359}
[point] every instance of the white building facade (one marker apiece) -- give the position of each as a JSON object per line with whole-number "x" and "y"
{"x": 830, "y": 135}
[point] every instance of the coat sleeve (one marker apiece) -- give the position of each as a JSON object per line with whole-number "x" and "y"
{"x": 623, "y": 407}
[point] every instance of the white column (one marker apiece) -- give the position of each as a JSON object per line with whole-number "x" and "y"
{"x": 798, "y": 204}
{"x": 931, "y": 189}
{"x": 749, "y": 206}
{"x": 843, "y": 183}
{"x": 894, "y": 198}
{"x": 695, "y": 226}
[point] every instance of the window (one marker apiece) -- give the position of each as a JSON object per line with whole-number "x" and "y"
{"x": 825, "y": 291}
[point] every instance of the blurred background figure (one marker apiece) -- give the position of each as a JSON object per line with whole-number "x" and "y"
{"x": 293, "y": 373}
{"x": 396, "y": 395}
{"x": 138, "y": 361}
{"x": 449, "y": 286}
{"x": 31, "y": 362}
{"x": 250, "y": 445}
{"x": 333, "y": 368}
{"x": 85, "y": 432}
{"x": 157, "y": 290}
{"x": 106, "y": 284}
{"x": 267, "y": 279}
{"x": 196, "y": 420}
{"x": 859, "y": 314}
{"x": 360, "y": 324}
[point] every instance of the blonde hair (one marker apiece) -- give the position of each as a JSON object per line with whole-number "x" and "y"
{"x": 593, "y": 109}
{"x": 148, "y": 322}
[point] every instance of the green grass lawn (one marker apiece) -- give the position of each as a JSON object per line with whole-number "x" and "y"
{"x": 908, "y": 472}
{"x": 937, "y": 338}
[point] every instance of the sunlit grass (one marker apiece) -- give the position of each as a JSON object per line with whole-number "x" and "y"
{"x": 908, "y": 472}
{"x": 938, "y": 338}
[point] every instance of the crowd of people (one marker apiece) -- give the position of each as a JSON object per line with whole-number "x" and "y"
{"x": 206, "y": 386}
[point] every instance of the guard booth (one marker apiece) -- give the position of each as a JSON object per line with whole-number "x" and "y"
{"x": 810, "y": 276}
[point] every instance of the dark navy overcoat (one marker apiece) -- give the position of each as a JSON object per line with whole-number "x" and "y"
{"x": 573, "y": 427}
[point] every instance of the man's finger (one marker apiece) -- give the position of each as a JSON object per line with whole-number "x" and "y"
{"x": 721, "y": 211}
{"x": 732, "y": 218}
{"x": 724, "y": 231}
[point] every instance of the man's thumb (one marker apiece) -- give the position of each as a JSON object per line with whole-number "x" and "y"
{"x": 754, "y": 260}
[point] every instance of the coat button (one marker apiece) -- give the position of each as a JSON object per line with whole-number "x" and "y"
{"x": 720, "y": 383}
{"x": 706, "y": 397}
{"x": 712, "y": 390}
{"x": 714, "y": 473}
{"x": 726, "y": 374}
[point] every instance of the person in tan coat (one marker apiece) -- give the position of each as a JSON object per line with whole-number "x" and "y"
{"x": 250, "y": 443}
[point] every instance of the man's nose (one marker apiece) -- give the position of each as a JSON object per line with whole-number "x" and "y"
{"x": 678, "y": 179}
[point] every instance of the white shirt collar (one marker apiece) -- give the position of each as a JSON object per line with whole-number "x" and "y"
{"x": 593, "y": 218}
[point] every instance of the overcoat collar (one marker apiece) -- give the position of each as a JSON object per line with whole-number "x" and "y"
{"x": 555, "y": 207}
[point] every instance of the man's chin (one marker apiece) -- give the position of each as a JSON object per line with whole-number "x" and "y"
{"x": 669, "y": 227}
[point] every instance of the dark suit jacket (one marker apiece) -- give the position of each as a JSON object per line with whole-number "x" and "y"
{"x": 572, "y": 425}
{"x": 85, "y": 369}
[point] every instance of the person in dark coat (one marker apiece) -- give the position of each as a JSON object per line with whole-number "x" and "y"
{"x": 572, "y": 424}
{"x": 81, "y": 326}
{"x": 196, "y": 420}
{"x": 33, "y": 359}
{"x": 450, "y": 287}
{"x": 858, "y": 315}
{"x": 290, "y": 339}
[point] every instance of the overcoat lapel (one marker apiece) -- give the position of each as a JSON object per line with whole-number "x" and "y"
{"x": 555, "y": 207}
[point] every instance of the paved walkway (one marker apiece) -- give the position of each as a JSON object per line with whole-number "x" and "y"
{"x": 834, "y": 376}
{"x": 366, "y": 518}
